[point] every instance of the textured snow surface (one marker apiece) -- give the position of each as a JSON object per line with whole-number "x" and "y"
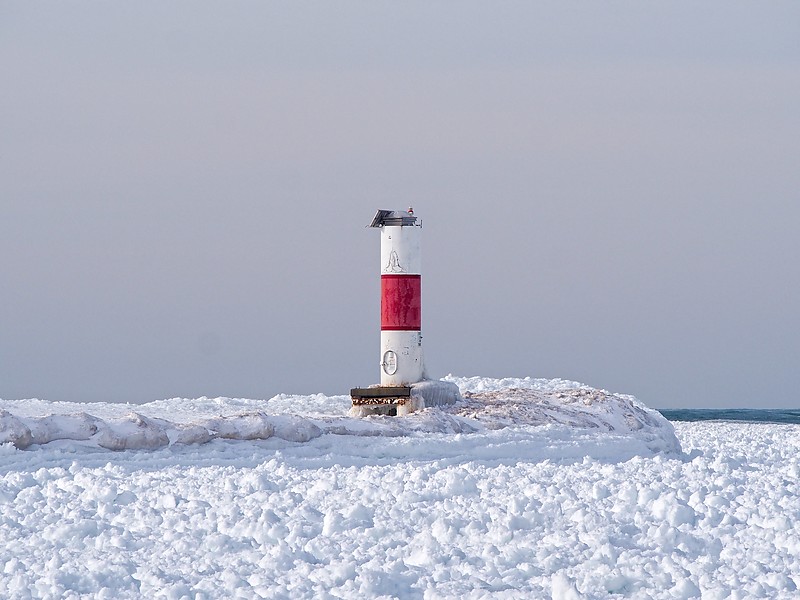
{"x": 414, "y": 508}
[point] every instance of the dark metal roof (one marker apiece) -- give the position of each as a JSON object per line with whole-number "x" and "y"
{"x": 392, "y": 217}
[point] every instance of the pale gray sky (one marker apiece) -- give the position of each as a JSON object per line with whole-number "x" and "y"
{"x": 610, "y": 193}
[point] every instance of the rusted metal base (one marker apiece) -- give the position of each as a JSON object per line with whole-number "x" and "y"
{"x": 381, "y": 395}
{"x": 381, "y": 400}
{"x": 402, "y": 400}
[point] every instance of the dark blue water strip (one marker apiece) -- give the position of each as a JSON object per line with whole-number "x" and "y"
{"x": 751, "y": 415}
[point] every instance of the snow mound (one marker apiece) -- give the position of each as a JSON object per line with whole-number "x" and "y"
{"x": 567, "y": 413}
{"x": 509, "y": 402}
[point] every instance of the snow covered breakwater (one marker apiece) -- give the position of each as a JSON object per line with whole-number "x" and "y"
{"x": 507, "y": 511}
{"x": 490, "y": 404}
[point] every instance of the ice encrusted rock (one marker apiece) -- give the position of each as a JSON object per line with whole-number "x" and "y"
{"x": 252, "y": 426}
{"x": 133, "y": 432}
{"x": 294, "y": 428}
{"x": 78, "y": 426}
{"x": 14, "y": 431}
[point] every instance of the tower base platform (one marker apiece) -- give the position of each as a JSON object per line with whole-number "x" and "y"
{"x": 402, "y": 400}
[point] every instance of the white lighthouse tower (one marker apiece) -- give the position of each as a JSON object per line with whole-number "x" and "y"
{"x": 401, "y": 299}
{"x": 403, "y": 387}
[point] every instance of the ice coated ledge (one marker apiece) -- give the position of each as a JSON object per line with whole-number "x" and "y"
{"x": 550, "y": 409}
{"x": 423, "y": 394}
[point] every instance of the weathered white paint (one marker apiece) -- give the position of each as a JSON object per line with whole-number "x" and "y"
{"x": 400, "y": 250}
{"x": 407, "y": 366}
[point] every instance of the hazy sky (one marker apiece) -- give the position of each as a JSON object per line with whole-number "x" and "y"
{"x": 610, "y": 193}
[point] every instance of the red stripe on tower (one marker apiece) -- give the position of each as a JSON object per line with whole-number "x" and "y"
{"x": 401, "y": 303}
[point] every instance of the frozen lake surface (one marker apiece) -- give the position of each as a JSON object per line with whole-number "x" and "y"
{"x": 528, "y": 489}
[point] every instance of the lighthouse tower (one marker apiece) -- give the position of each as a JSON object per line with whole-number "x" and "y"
{"x": 401, "y": 301}
{"x": 404, "y": 387}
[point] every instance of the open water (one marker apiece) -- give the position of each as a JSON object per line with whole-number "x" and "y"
{"x": 751, "y": 415}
